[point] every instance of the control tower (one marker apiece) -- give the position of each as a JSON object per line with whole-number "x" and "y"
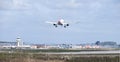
{"x": 19, "y": 42}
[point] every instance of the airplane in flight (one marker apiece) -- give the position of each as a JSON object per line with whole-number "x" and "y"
{"x": 60, "y": 22}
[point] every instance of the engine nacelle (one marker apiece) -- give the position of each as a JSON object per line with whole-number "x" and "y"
{"x": 55, "y": 25}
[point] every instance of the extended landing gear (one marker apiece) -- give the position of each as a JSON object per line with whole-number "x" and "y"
{"x": 61, "y": 25}
{"x": 55, "y": 25}
{"x": 66, "y": 25}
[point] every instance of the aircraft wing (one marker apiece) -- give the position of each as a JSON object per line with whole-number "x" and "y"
{"x": 65, "y": 23}
{"x": 51, "y": 22}
{"x": 73, "y": 22}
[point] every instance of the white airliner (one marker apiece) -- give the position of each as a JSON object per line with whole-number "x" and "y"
{"x": 60, "y": 22}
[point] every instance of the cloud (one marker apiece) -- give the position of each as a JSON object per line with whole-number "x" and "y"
{"x": 14, "y": 5}
{"x": 70, "y": 4}
{"x": 20, "y": 4}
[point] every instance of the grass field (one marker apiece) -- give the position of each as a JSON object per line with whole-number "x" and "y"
{"x": 21, "y": 55}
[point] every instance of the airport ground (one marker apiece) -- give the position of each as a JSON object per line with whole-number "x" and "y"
{"x": 19, "y": 55}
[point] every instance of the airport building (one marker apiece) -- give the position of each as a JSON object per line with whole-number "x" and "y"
{"x": 18, "y": 44}
{"x": 7, "y": 43}
{"x": 107, "y": 44}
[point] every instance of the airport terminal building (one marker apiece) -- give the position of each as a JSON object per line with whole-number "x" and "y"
{"x": 6, "y": 43}
{"x": 18, "y": 44}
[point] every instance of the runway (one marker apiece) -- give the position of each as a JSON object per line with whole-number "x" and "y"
{"x": 87, "y": 52}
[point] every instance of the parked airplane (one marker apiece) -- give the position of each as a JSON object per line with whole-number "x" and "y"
{"x": 61, "y": 22}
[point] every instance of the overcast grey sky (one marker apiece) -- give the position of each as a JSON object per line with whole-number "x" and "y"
{"x": 99, "y": 20}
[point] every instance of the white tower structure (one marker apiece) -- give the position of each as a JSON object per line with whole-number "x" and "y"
{"x": 18, "y": 40}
